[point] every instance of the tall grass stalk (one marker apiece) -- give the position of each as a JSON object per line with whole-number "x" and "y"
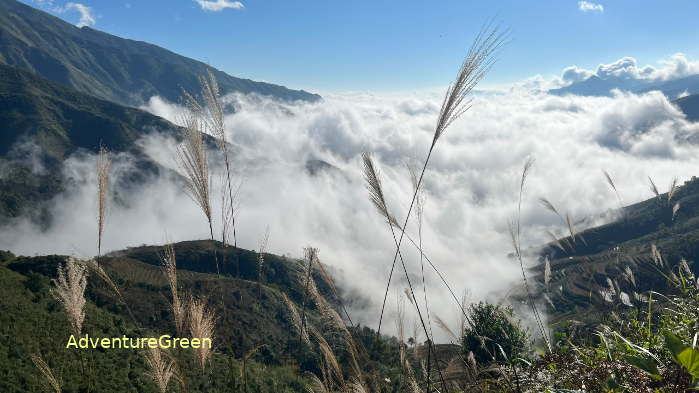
{"x": 161, "y": 368}
{"x": 261, "y": 261}
{"x": 479, "y": 59}
{"x": 104, "y": 163}
{"x": 52, "y": 380}
{"x": 169, "y": 262}
{"x": 193, "y": 161}
{"x": 376, "y": 195}
{"x": 202, "y": 321}
{"x": 515, "y": 232}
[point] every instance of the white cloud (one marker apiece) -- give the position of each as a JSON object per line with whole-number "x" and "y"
{"x": 219, "y": 5}
{"x": 86, "y": 16}
{"x": 627, "y": 69}
{"x": 471, "y": 182}
{"x": 586, "y": 6}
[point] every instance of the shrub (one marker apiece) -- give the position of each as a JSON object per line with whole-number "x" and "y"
{"x": 494, "y": 330}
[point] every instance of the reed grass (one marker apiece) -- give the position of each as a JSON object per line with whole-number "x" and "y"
{"x": 69, "y": 291}
{"x": 169, "y": 264}
{"x": 104, "y": 164}
{"x": 201, "y": 323}
{"x": 53, "y": 382}
{"x": 161, "y": 367}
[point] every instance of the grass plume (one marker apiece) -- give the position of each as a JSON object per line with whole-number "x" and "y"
{"x": 169, "y": 263}
{"x": 69, "y": 290}
{"x": 202, "y": 322}
{"x": 53, "y": 382}
{"x": 104, "y": 164}
{"x": 161, "y": 368}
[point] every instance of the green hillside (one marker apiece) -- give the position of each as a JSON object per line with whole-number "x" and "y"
{"x": 113, "y": 68}
{"x": 250, "y": 317}
{"x": 55, "y": 122}
{"x": 580, "y": 273}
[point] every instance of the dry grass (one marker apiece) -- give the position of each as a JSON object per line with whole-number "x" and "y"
{"x": 193, "y": 161}
{"x": 261, "y": 257}
{"x": 53, "y": 382}
{"x": 202, "y": 322}
{"x": 162, "y": 368}
{"x": 104, "y": 163}
{"x": 69, "y": 290}
{"x": 169, "y": 262}
{"x": 295, "y": 318}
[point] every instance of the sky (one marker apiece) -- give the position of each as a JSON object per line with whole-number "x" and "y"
{"x": 390, "y": 46}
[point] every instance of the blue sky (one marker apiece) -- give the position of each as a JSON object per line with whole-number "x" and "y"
{"x": 381, "y": 45}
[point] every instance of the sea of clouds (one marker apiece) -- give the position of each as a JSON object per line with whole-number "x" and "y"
{"x": 471, "y": 185}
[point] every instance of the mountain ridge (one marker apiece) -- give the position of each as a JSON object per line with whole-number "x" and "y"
{"x": 125, "y": 71}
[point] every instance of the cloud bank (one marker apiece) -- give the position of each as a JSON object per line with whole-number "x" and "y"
{"x": 471, "y": 184}
{"x": 627, "y": 68}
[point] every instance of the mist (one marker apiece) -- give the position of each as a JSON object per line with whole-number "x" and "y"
{"x": 471, "y": 184}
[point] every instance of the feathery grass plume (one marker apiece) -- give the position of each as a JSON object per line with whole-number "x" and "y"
{"x": 316, "y": 385}
{"x": 202, "y": 321}
{"x": 70, "y": 292}
{"x": 567, "y": 221}
{"x": 332, "y": 320}
{"x": 515, "y": 233}
{"x": 555, "y": 241}
{"x": 214, "y": 119}
{"x": 295, "y": 318}
{"x": 169, "y": 262}
{"x": 376, "y": 195}
{"x": 261, "y": 260}
{"x": 329, "y": 357}
{"x": 373, "y": 185}
{"x": 655, "y": 254}
{"x": 653, "y": 187}
{"x": 53, "y": 382}
{"x": 547, "y": 273}
{"x": 675, "y": 209}
{"x": 193, "y": 161}
{"x": 310, "y": 255}
{"x": 616, "y": 192}
{"x": 445, "y": 327}
{"x": 673, "y": 189}
{"x": 686, "y": 271}
{"x": 628, "y": 274}
{"x": 226, "y": 216}
{"x": 479, "y": 59}
{"x": 161, "y": 368}
{"x": 104, "y": 163}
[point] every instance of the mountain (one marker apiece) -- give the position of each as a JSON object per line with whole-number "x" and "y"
{"x": 689, "y": 106}
{"x": 582, "y": 270}
{"x": 44, "y": 122}
{"x": 596, "y": 86}
{"x": 121, "y": 70}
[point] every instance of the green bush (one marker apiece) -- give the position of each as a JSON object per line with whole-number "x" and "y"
{"x": 493, "y": 333}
